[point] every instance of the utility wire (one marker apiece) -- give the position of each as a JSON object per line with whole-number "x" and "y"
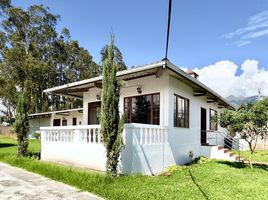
{"x": 168, "y": 28}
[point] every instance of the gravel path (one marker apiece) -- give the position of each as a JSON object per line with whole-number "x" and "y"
{"x": 16, "y": 183}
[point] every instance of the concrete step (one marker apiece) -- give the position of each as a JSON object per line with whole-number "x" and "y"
{"x": 220, "y": 147}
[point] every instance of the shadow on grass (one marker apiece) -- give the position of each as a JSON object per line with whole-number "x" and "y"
{"x": 197, "y": 185}
{"x": 4, "y": 145}
{"x": 243, "y": 165}
{"x": 233, "y": 164}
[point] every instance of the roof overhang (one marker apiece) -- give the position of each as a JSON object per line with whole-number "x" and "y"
{"x": 48, "y": 114}
{"x": 200, "y": 89}
{"x": 76, "y": 89}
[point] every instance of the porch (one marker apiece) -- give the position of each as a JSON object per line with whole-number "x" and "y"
{"x": 145, "y": 147}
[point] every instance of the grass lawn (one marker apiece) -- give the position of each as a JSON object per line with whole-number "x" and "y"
{"x": 258, "y": 156}
{"x": 208, "y": 180}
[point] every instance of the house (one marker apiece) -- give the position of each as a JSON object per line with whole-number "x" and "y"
{"x": 71, "y": 117}
{"x": 170, "y": 119}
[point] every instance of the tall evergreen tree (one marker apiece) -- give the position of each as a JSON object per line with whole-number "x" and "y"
{"x": 111, "y": 124}
{"x": 22, "y": 123}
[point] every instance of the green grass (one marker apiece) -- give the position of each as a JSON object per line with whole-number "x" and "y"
{"x": 258, "y": 156}
{"x": 209, "y": 180}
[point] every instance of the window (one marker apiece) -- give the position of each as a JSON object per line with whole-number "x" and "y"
{"x": 56, "y": 122}
{"x": 213, "y": 119}
{"x": 143, "y": 109}
{"x": 64, "y": 122}
{"x": 74, "y": 121}
{"x": 181, "y": 112}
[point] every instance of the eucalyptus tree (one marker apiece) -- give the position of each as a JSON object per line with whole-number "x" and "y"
{"x": 26, "y": 39}
{"x": 31, "y": 49}
{"x": 118, "y": 57}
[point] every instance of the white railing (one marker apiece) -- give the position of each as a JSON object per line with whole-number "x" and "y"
{"x": 79, "y": 134}
{"x": 144, "y": 134}
{"x": 147, "y": 134}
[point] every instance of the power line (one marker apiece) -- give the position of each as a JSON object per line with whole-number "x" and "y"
{"x": 168, "y": 28}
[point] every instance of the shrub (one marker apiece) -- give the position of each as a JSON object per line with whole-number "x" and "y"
{"x": 36, "y": 135}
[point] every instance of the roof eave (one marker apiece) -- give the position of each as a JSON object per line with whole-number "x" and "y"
{"x": 198, "y": 83}
{"x": 99, "y": 78}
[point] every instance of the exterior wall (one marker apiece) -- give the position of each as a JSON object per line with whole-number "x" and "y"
{"x": 146, "y": 149}
{"x": 69, "y": 118}
{"x": 181, "y": 141}
{"x": 149, "y": 85}
{"x": 149, "y": 149}
{"x": 144, "y": 152}
{"x": 75, "y": 145}
{"x": 35, "y": 124}
{"x": 184, "y": 140}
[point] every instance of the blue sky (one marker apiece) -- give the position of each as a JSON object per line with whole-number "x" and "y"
{"x": 225, "y": 40}
{"x": 197, "y": 28}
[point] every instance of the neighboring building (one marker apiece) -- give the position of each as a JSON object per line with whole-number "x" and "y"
{"x": 70, "y": 117}
{"x": 168, "y": 114}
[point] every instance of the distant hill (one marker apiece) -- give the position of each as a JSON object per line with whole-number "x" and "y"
{"x": 237, "y": 101}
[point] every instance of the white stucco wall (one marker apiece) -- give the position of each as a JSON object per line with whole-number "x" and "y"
{"x": 35, "y": 124}
{"x": 183, "y": 140}
{"x": 148, "y": 158}
{"x": 149, "y": 84}
{"x": 69, "y": 118}
{"x": 74, "y": 152}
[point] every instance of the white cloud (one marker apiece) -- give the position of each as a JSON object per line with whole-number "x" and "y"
{"x": 257, "y": 26}
{"x": 242, "y": 43}
{"x": 221, "y": 77}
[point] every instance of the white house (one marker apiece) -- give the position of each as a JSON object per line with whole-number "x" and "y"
{"x": 170, "y": 115}
{"x": 71, "y": 117}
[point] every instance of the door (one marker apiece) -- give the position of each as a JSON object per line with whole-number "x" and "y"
{"x": 64, "y": 122}
{"x": 94, "y": 113}
{"x": 203, "y": 126}
{"x": 74, "y": 121}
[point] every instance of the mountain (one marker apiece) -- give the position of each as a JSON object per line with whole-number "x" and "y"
{"x": 237, "y": 101}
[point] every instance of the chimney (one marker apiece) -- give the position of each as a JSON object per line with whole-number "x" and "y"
{"x": 192, "y": 73}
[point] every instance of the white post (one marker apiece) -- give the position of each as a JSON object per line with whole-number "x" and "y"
{"x": 76, "y": 138}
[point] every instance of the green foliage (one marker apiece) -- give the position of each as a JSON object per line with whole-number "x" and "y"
{"x": 36, "y": 135}
{"x": 174, "y": 168}
{"x": 31, "y": 49}
{"x": 21, "y": 125}
{"x": 118, "y": 58}
{"x": 214, "y": 179}
{"x": 111, "y": 124}
{"x": 257, "y": 156}
{"x": 201, "y": 160}
{"x": 250, "y": 121}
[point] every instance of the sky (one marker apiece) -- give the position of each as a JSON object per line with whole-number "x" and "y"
{"x": 225, "y": 41}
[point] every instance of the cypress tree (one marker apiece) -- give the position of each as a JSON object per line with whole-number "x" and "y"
{"x": 22, "y": 124}
{"x": 111, "y": 124}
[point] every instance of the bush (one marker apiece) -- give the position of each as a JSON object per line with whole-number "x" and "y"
{"x": 36, "y": 135}
{"x": 201, "y": 160}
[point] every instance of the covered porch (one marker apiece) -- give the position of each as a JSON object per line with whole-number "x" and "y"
{"x": 145, "y": 147}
